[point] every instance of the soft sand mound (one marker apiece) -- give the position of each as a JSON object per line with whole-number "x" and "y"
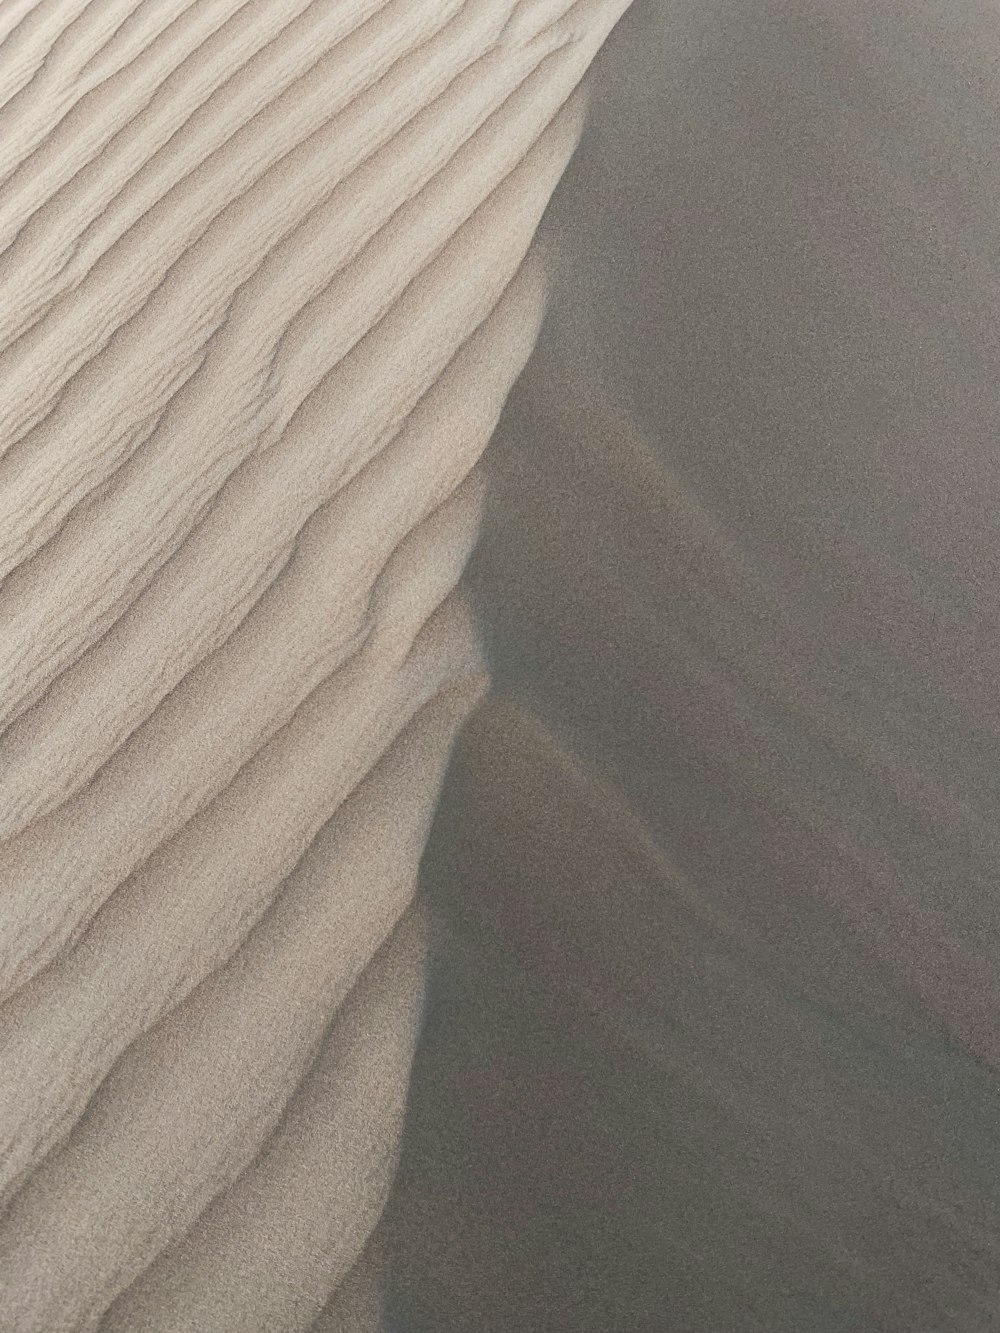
{"x": 261, "y": 300}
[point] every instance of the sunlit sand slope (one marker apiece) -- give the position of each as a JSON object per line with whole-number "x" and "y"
{"x": 263, "y": 292}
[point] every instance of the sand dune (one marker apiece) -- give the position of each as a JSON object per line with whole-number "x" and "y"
{"x": 263, "y": 292}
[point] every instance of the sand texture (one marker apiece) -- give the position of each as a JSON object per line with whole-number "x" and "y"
{"x": 264, "y": 288}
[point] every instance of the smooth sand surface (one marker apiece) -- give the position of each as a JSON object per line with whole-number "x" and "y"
{"x": 263, "y": 292}
{"x": 714, "y": 1048}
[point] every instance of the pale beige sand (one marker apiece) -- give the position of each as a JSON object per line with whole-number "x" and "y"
{"x": 263, "y": 292}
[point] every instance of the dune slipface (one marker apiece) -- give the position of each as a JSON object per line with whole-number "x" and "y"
{"x": 263, "y": 291}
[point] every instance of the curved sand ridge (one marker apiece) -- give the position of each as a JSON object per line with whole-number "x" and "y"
{"x": 263, "y": 292}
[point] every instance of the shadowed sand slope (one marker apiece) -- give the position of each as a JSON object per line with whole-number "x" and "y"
{"x": 263, "y": 292}
{"x": 721, "y": 855}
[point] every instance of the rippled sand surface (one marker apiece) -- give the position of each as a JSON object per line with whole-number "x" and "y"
{"x": 264, "y": 287}
{"x": 709, "y": 907}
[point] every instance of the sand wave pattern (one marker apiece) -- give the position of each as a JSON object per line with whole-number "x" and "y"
{"x": 264, "y": 287}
